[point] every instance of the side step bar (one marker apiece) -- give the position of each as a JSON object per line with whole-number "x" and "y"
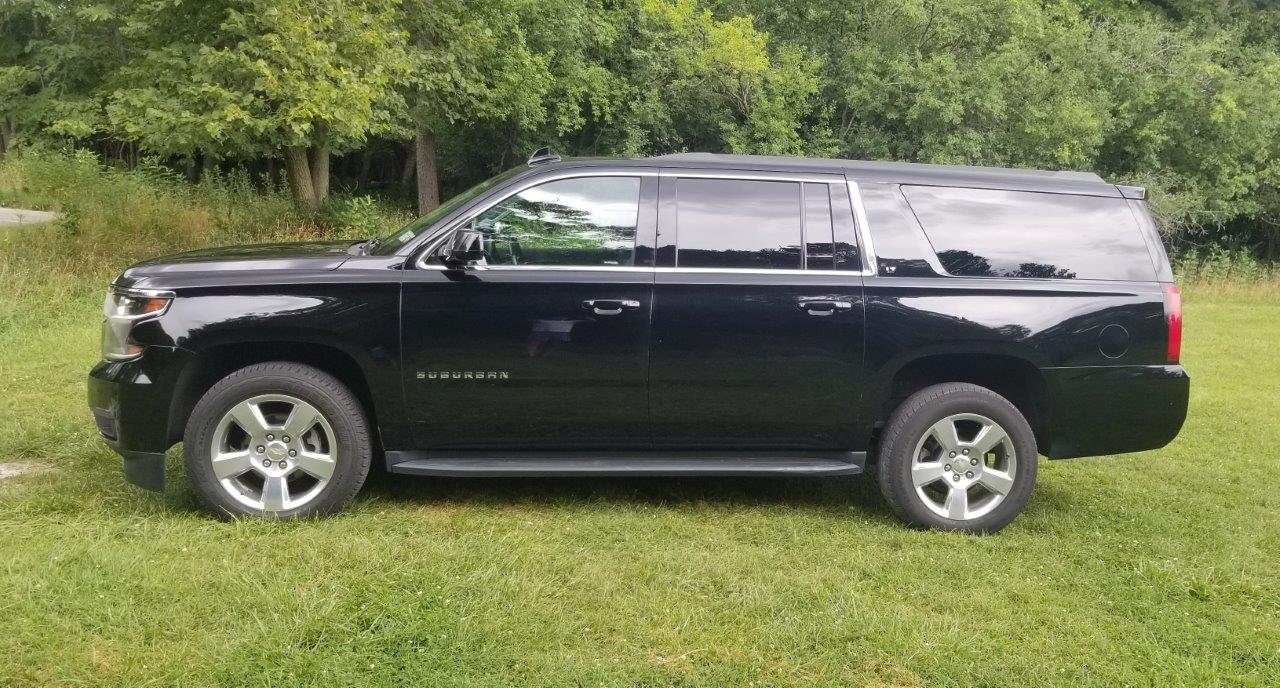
{"x": 569, "y": 464}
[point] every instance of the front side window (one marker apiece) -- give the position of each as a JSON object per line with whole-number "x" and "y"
{"x": 734, "y": 223}
{"x": 389, "y": 245}
{"x": 588, "y": 221}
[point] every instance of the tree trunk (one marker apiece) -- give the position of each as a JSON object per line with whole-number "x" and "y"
{"x": 206, "y": 166}
{"x": 4, "y": 138}
{"x": 428, "y": 175}
{"x": 299, "y": 169}
{"x": 407, "y": 170}
{"x": 366, "y": 161}
{"x": 320, "y": 173}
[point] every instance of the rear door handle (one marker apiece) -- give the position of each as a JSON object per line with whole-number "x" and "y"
{"x": 610, "y": 306}
{"x": 824, "y": 308}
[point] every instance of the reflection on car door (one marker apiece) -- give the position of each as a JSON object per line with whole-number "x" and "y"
{"x": 758, "y": 313}
{"x": 546, "y": 344}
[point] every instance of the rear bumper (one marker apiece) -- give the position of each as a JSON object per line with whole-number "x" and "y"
{"x": 1114, "y": 409}
{"x": 130, "y": 404}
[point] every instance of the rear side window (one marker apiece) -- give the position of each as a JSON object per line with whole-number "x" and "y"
{"x": 986, "y": 233}
{"x": 733, "y": 223}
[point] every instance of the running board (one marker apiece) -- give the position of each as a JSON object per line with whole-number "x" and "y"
{"x": 569, "y": 464}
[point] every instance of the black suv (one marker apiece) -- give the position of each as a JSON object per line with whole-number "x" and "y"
{"x": 687, "y": 314}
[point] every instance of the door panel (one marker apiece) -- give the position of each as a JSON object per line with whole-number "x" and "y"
{"x": 749, "y": 350}
{"x": 545, "y": 345}
{"x": 738, "y": 361}
{"x": 514, "y": 358}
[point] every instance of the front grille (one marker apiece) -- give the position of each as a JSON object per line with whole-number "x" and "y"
{"x": 106, "y": 425}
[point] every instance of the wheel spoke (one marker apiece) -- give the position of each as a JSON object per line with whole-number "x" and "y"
{"x": 989, "y": 437}
{"x": 999, "y": 482}
{"x": 231, "y": 464}
{"x": 275, "y": 492}
{"x": 925, "y": 473}
{"x": 302, "y": 418}
{"x": 249, "y": 417}
{"x": 957, "y": 503}
{"x": 320, "y": 466}
{"x": 945, "y": 432}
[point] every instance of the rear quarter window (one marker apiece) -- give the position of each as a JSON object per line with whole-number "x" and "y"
{"x": 989, "y": 233}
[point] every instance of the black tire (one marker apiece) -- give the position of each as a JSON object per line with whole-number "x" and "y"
{"x": 329, "y": 396}
{"x": 908, "y": 426}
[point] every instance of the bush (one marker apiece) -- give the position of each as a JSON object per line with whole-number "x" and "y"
{"x": 1223, "y": 264}
{"x": 113, "y": 217}
{"x": 363, "y": 216}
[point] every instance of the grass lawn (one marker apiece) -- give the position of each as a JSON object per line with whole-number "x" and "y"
{"x": 1150, "y": 569}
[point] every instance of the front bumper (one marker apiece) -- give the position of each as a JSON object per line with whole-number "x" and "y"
{"x": 1114, "y": 409}
{"x": 130, "y": 402}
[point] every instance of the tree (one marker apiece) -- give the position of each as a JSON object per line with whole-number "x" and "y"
{"x": 470, "y": 63}
{"x": 291, "y": 78}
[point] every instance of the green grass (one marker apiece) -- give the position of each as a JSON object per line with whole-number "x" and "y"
{"x": 1151, "y": 569}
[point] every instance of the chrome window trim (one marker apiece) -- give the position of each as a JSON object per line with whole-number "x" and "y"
{"x": 855, "y": 197}
{"x": 555, "y": 268}
{"x": 627, "y": 268}
{"x": 751, "y": 176}
{"x": 428, "y": 244}
{"x": 760, "y": 271}
{"x": 864, "y": 230}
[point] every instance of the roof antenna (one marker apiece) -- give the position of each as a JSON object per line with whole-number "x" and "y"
{"x": 543, "y": 156}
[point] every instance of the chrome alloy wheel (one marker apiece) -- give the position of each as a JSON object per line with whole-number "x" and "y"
{"x": 963, "y": 467}
{"x": 273, "y": 452}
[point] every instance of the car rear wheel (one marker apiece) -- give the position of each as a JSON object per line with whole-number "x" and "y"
{"x": 957, "y": 457}
{"x": 279, "y": 440}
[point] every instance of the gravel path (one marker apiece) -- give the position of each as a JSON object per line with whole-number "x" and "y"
{"x": 17, "y": 216}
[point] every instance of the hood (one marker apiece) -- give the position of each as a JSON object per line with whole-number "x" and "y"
{"x": 309, "y": 255}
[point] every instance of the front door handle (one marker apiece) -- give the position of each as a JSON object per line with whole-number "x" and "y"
{"x": 610, "y": 306}
{"x": 824, "y": 308}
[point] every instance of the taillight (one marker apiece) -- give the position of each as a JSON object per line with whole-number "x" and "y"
{"x": 1173, "y": 317}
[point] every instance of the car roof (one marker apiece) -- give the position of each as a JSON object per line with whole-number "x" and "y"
{"x": 874, "y": 171}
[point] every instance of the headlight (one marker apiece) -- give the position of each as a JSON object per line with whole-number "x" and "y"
{"x": 123, "y": 308}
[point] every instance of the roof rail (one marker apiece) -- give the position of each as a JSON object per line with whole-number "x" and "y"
{"x": 542, "y": 156}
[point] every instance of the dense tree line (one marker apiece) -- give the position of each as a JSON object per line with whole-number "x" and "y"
{"x": 1182, "y": 96}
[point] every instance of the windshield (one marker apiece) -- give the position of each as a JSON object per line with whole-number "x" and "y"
{"x": 390, "y": 244}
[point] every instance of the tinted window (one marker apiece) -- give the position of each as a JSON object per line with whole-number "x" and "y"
{"x": 901, "y": 249}
{"x": 846, "y": 230}
{"x": 581, "y": 221}
{"x": 730, "y": 223}
{"x": 819, "y": 244}
{"x": 984, "y": 233}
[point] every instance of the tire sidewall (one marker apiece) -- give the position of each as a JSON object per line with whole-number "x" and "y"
{"x": 348, "y": 423}
{"x": 897, "y": 456}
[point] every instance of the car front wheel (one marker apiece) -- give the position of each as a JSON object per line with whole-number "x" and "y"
{"x": 279, "y": 440}
{"x": 959, "y": 457}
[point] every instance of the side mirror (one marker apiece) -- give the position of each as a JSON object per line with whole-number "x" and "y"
{"x": 464, "y": 249}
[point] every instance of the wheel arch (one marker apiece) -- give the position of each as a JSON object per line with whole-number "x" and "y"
{"x": 1012, "y": 377}
{"x": 209, "y": 365}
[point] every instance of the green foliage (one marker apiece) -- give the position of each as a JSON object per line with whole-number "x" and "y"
{"x": 113, "y": 217}
{"x": 276, "y": 73}
{"x": 1177, "y": 95}
{"x": 362, "y": 216}
{"x": 1220, "y": 265}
